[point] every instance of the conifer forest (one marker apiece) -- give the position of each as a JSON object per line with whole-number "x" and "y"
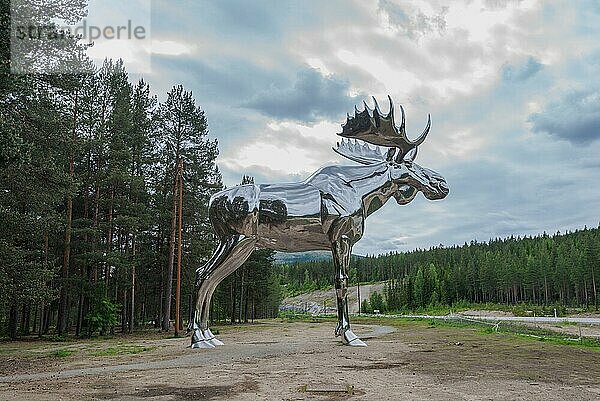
{"x": 92, "y": 169}
{"x": 560, "y": 269}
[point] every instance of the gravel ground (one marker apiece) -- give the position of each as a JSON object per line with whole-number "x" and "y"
{"x": 303, "y": 361}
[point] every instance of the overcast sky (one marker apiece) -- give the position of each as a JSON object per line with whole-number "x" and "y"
{"x": 513, "y": 88}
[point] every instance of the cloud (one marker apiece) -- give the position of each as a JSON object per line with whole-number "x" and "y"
{"x": 311, "y": 98}
{"x": 415, "y": 25}
{"x": 257, "y": 19}
{"x": 422, "y": 51}
{"x": 170, "y": 48}
{"x": 521, "y": 72}
{"x": 575, "y": 117}
{"x": 277, "y": 78}
{"x": 290, "y": 150}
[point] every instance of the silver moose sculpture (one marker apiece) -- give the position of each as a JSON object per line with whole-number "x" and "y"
{"x": 325, "y": 212}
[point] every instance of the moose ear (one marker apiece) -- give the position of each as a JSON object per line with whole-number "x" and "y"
{"x": 390, "y": 154}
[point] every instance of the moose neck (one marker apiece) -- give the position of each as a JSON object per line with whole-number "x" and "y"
{"x": 375, "y": 187}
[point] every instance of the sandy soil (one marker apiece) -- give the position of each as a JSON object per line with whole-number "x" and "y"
{"x": 275, "y": 361}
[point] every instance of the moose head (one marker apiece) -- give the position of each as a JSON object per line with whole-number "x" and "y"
{"x": 372, "y": 126}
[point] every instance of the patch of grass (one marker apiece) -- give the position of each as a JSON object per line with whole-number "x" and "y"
{"x": 530, "y": 333}
{"x": 60, "y": 353}
{"x": 517, "y": 331}
{"x": 122, "y": 350}
{"x": 7, "y": 351}
{"x": 555, "y": 338}
{"x": 59, "y": 339}
{"x": 521, "y": 309}
{"x": 288, "y": 317}
{"x": 583, "y": 342}
{"x": 520, "y": 331}
{"x": 294, "y": 316}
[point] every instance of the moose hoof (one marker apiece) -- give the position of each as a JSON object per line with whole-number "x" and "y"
{"x": 210, "y": 337}
{"x": 202, "y": 344}
{"x": 199, "y": 340}
{"x": 216, "y": 342}
{"x": 351, "y": 339}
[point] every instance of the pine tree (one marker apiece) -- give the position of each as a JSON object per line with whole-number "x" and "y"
{"x": 183, "y": 130}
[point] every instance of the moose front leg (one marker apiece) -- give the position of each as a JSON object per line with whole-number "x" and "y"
{"x": 342, "y": 250}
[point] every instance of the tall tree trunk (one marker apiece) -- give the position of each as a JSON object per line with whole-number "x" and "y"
{"x": 12, "y": 321}
{"x": 62, "y": 307}
{"x": 124, "y": 313}
{"x": 241, "y": 309}
{"x": 35, "y": 319}
{"x": 132, "y": 301}
{"x": 61, "y": 325}
{"x": 84, "y": 273}
{"x": 179, "y": 242}
{"x": 25, "y": 315}
{"x": 357, "y": 296}
{"x": 79, "y": 322}
{"x": 232, "y": 295}
{"x": 109, "y": 241}
{"x": 169, "y": 282}
{"x": 594, "y": 286}
{"x": 96, "y": 218}
{"x": 253, "y": 307}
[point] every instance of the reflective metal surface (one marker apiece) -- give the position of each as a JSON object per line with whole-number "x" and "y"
{"x": 326, "y": 211}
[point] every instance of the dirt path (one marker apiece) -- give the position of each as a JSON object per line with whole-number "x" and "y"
{"x": 273, "y": 360}
{"x": 240, "y": 351}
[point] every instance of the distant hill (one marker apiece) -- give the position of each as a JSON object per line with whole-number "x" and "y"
{"x": 282, "y": 258}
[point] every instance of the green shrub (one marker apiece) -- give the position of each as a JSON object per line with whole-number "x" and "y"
{"x": 365, "y": 307}
{"x": 102, "y": 317}
{"x": 377, "y": 302}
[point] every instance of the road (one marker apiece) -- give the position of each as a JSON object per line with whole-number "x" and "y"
{"x": 527, "y": 319}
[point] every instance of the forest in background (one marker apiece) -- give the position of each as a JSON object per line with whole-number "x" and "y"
{"x": 90, "y": 168}
{"x": 562, "y": 269}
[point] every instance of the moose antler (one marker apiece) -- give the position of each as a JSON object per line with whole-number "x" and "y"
{"x": 374, "y": 127}
{"x": 363, "y": 154}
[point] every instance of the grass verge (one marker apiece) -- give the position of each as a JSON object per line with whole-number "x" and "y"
{"x": 60, "y": 353}
{"x": 518, "y": 331}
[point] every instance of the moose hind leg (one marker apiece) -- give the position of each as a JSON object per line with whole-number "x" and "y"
{"x": 238, "y": 255}
{"x": 341, "y": 259}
